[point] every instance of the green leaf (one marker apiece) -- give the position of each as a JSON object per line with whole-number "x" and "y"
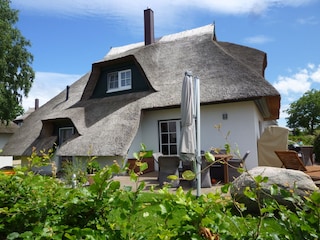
{"x": 274, "y": 190}
{"x": 227, "y": 146}
{"x": 225, "y": 188}
{"x": 133, "y": 176}
{"x": 250, "y": 194}
{"x": 141, "y": 186}
{"x": 114, "y": 185}
{"x": 172, "y": 177}
{"x": 260, "y": 179}
{"x": 115, "y": 168}
{"x": 163, "y": 209}
{"x": 143, "y": 147}
{"x": 188, "y": 175}
{"x": 315, "y": 197}
{"x": 143, "y": 166}
{"x": 13, "y": 235}
{"x": 209, "y": 157}
{"x": 136, "y": 155}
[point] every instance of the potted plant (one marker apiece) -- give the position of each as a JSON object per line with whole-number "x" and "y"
{"x": 142, "y": 156}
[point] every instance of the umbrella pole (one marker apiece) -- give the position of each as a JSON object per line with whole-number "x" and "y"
{"x": 198, "y": 148}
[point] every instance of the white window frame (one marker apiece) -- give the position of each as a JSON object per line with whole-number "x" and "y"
{"x": 175, "y": 134}
{"x": 122, "y": 78}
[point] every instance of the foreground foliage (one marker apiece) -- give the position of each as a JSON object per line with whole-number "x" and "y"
{"x": 40, "y": 207}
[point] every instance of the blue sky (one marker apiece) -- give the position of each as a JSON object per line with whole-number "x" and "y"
{"x": 67, "y": 36}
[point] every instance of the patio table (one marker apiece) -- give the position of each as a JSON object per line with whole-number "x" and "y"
{"x": 225, "y": 158}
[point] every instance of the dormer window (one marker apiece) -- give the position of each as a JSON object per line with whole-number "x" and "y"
{"x": 119, "y": 81}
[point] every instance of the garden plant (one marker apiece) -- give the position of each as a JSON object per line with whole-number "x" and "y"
{"x": 42, "y": 207}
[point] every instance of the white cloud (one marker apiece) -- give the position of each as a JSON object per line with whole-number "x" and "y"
{"x": 129, "y": 7}
{"x": 299, "y": 82}
{"x": 294, "y": 86}
{"x": 315, "y": 76}
{"x": 259, "y": 39}
{"x": 46, "y": 86}
{"x": 167, "y": 12}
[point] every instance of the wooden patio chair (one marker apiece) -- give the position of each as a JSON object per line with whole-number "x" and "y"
{"x": 291, "y": 160}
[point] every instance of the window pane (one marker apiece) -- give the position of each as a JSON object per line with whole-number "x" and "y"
{"x": 112, "y": 80}
{"x": 173, "y": 149}
{"x": 122, "y": 75}
{"x": 172, "y": 127}
{"x": 125, "y": 78}
{"x": 164, "y": 127}
{"x": 165, "y": 150}
{"x": 164, "y": 138}
{"x": 173, "y": 138}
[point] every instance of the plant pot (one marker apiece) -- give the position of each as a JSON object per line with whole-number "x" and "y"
{"x": 149, "y": 161}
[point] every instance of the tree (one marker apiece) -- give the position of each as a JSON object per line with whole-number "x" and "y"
{"x": 16, "y": 73}
{"x": 305, "y": 112}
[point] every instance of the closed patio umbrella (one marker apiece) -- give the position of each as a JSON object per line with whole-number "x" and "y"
{"x": 189, "y": 147}
{"x": 188, "y": 134}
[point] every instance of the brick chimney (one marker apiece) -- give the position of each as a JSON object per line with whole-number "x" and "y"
{"x": 36, "y": 104}
{"x": 148, "y": 27}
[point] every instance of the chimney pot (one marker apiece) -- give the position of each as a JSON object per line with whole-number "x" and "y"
{"x": 148, "y": 27}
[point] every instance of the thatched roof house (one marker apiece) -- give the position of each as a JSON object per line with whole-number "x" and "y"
{"x": 109, "y": 120}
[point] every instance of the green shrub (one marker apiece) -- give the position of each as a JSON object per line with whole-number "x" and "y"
{"x": 306, "y": 139}
{"x": 42, "y": 207}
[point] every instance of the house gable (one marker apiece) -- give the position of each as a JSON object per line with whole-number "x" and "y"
{"x": 96, "y": 86}
{"x": 139, "y": 81}
{"x": 49, "y": 136}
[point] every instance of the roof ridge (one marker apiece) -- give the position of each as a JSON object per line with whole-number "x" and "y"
{"x": 167, "y": 38}
{"x": 188, "y": 33}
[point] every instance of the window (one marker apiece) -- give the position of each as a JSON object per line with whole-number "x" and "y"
{"x": 64, "y": 134}
{"x": 169, "y": 134}
{"x": 118, "y": 81}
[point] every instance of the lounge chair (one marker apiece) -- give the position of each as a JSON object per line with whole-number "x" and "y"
{"x": 205, "y": 172}
{"x": 235, "y": 164}
{"x": 168, "y": 165}
{"x": 290, "y": 160}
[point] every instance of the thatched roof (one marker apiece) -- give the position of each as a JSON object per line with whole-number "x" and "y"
{"x": 227, "y": 72}
{"x": 9, "y": 128}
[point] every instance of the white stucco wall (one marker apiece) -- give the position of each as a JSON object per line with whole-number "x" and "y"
{"x": 6, "y": 161}
{"x": 243, "y": 123}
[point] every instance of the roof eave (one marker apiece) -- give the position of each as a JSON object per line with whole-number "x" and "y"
{"x": 269, "y": 107}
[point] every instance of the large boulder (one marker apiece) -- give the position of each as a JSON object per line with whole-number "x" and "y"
{"x": 292, "y": 180}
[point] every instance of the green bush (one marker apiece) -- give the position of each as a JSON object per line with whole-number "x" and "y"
{"x": 41, "y": 207}
{"x": 306, "y": 139}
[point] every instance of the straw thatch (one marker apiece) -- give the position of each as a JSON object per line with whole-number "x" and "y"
{"x": 9, "y": 128}
{"x": 227, "y": 72}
